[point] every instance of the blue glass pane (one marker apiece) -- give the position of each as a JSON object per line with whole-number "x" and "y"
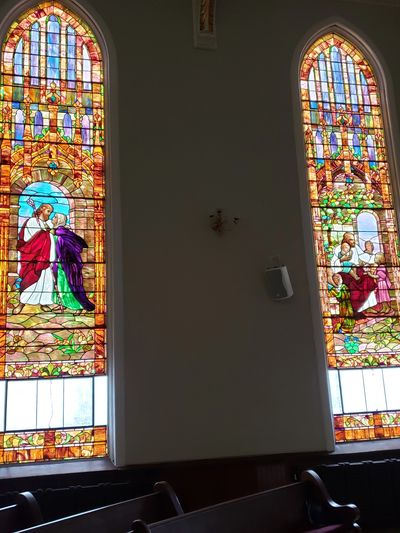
{"x": 53, "y": 50}
{"x": 324, "y": 80}
{"x": 18, "y": 48}
{"x": 53, "y": 38}
{"x": 18, "y": 71}
{"x": 365, "y": 92}
{"x": 85, "y": 132}
{"x": 352, "y": 83}
{"x": 67, "y": 124}
{"x": 328, "y": 117}
{"x": 19, "y": 126}
{"x": 319, "y": 147}
{"x": 336, "y": 62}
{"x": 371, "y": 148}
{"x": 356, "y": 145}
{"x": 53, "y": 62}
{"x": 334, "y": 143}
{"x": 312, "y": 89}
{"x": 34, "y": 48}
{"x": 38, "y": 126}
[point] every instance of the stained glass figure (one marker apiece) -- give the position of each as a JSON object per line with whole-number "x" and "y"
{"x": 52, "y": 233}
{"x": 355, "y": 235}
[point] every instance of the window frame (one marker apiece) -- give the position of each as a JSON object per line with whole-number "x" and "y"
{"x": 387, "y": 95}
{"x": 9, "y": 12}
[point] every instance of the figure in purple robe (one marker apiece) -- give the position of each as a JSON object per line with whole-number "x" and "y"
{"x": 67, "y": 268}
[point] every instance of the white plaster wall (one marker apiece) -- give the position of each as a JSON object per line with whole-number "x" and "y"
{"x": 212, "y": 367}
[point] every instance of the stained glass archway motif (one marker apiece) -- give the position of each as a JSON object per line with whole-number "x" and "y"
{"x": 355, "y": 235}
{"x": 52, "y": 238}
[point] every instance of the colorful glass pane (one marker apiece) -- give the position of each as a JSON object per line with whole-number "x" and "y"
{"x": 355, "y": 235}
{"x": 52, "y": 235}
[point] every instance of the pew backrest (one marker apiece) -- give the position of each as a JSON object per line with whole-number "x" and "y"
{"x": 25, "y": 512}
{"x": 118, "y": 517}
{"x": 281, "y": 509}
{"x": 299, "y": 507}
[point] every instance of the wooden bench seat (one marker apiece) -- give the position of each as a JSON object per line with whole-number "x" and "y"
{"x": 118, "y": 517}
{"x": 296, "y": 508}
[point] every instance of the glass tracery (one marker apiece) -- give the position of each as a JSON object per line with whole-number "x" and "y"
{"x": 356, "y": 238}
{"x": 52, "y": 238}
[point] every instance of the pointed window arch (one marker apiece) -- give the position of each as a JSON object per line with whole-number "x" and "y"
{"x": 355, "y": 236}
{"x": 53, "y": 384}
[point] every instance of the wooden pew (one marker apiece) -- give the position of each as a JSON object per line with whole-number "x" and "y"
{"x": 24, "y": 513}
{"x": 118, "y": 517}
{"x": 300, "y": 507}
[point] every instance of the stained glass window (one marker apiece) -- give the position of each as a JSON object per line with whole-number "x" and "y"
{"x": 53, "y": 385}
{"x": 355, "y": 235}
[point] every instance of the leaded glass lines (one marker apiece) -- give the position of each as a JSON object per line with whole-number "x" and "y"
{"x": 355, "y": 236}
{"x": 52, "y": 238}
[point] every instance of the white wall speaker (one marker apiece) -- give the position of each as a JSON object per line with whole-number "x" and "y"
{"x": 278, "y": 283}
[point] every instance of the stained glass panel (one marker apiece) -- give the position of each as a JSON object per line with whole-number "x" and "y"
{"x": 52, "y": 238}
{"x": 355, "y": 237}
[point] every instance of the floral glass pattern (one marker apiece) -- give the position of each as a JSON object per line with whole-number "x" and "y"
{"x": 355, "y": 235}
{"x": 52, "y": 239}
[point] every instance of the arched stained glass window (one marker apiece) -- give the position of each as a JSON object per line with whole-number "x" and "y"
{"x": 53, "y": 389}
{"x": 356, "y": 240}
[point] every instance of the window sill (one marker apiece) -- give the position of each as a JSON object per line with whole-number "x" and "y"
{"x": 368, "y": 447}
{"x": 56, "y": 468}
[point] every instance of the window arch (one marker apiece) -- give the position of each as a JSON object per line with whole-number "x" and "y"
{"x": 355, "y": 236}
{"x": 52, "y": 217}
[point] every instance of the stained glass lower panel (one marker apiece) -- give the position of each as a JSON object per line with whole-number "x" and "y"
{"x": 49, "y": 445}
{"x": 367, "y": 426}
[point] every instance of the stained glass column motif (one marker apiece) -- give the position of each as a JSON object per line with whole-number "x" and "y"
{"x": 355, "y": 235}
{"x": 53, "y": 387}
